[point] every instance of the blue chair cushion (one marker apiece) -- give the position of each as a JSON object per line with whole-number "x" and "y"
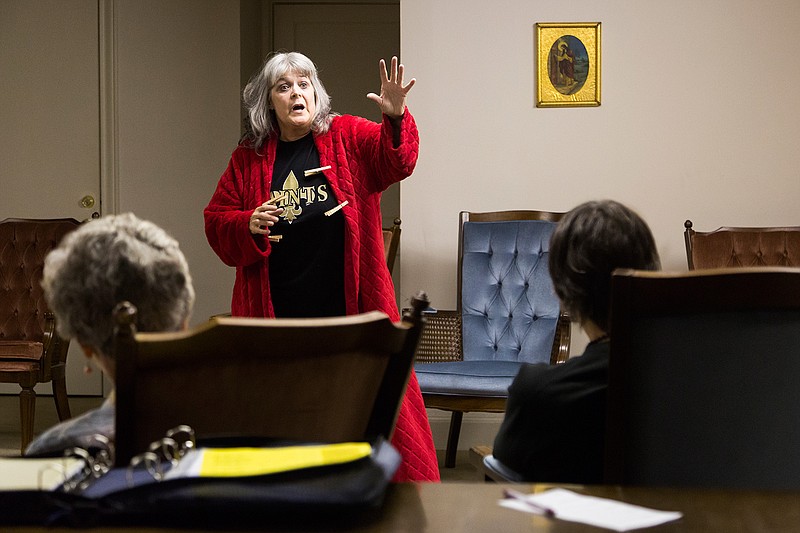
{"x": 471, "y": 378}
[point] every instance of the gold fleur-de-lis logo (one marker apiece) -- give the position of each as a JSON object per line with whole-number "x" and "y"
{"x": 291, "y": 199}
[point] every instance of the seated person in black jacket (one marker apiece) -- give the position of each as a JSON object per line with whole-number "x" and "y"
{"x": 554, "y": 425}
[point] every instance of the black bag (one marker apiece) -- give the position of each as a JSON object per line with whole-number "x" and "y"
{"x": 350, "y": 491}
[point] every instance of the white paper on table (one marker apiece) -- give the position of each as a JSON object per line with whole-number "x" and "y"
{"x": 601, "y": 512}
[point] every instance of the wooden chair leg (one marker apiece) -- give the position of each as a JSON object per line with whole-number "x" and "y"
{"x": 452, "y": 439}
{"x": 27, "y": 410}
{"x": 61, "y": 399}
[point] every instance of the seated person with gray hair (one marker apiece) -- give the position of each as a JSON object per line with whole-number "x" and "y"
{"x": 105, "y": 261}
{"x": 554, "y": 425}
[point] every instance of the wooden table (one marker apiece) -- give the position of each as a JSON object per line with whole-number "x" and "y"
{"x": 472, "y": 507}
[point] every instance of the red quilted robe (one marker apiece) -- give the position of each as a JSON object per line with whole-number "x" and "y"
{"x": 363, "y": 164}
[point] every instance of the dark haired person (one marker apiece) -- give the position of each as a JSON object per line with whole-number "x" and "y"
{"x": 554, "y": 425}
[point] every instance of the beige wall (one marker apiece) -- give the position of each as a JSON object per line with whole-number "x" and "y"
{"x": 699, "y": 119}
{"x": 176, "y": 72}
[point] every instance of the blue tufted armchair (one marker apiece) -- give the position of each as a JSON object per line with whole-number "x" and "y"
{"x": 507, "y": 314}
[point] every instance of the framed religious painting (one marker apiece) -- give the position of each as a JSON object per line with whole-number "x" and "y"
{"x": 568, "y": 64}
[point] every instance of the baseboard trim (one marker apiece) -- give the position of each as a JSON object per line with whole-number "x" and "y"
{"x": 476, "y": 428}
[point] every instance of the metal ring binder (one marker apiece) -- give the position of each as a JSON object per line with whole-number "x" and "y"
{"x": 60, "y": 469}
{"x": 185, "y": 437}
{"x": 152, "y": 464}
{"x": 163, "y": 454}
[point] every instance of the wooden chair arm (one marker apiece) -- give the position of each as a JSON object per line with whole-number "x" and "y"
{"x": 562, "y": 339}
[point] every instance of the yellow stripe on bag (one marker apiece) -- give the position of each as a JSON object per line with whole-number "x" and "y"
{"x": 240, "y": 462}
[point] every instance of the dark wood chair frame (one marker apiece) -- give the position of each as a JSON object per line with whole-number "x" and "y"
{"x": 51, "y": 367}
{"x": 275, "y": 376}
{"x": 640, "y": 295}
{"x": 391, "y": 242}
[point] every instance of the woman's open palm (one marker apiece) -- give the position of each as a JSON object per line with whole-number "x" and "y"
{"x": 392, "y": 99}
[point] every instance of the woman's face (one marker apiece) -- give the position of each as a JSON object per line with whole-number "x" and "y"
{"x": 294, "y": 101}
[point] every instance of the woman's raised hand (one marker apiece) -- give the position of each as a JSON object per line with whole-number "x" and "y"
{"x": 392, "y": 99}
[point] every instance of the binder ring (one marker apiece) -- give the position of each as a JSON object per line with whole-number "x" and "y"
{"x": 166, "y": 449}
{"x": 184, "y": 436}
{"x": 152, "y": 465}
{"x": 87, "y": 471}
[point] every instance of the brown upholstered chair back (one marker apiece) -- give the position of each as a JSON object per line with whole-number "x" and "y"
{"x": 742, "y": 247}
{"x": 30, "y": 350}
{"x": 23, "y": 246}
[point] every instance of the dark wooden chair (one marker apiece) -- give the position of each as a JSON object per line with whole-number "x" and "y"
{"x": 742, "y": 247}
{"x": 391, "y": 241}
{"x": 31, "y": 352}
{"x": 318, "y": 379}
{"x": 703, "y": 379}
{"x": 507, "y": 314}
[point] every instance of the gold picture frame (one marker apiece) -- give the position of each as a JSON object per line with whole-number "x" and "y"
{"x": 568, "y": 64}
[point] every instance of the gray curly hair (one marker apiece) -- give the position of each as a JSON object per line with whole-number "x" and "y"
{"x": 256, "y": 96}
{"x": 113, "y": 259}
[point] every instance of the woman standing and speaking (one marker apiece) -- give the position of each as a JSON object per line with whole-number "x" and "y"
{"x": 297, "y": 212}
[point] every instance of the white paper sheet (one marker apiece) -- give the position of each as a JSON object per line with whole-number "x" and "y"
{"x": 601, "y": 512}
{"x": 20, "y": 473}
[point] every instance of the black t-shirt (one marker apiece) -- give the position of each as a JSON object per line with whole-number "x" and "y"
{"x": 306, "y": 267}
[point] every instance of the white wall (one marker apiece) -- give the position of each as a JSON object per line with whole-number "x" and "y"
{"x": 699, "y": 120}
{"x": 177, "y": 119}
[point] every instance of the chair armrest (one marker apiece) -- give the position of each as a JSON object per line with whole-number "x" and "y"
{"x": 562, "y": 339}
{"x": 49, "y": 337}
{"x": 490, "y": 468}
{"x": 54, "y": 353}
{"x": 441, "y": 338}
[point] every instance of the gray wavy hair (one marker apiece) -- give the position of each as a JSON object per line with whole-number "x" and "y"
{"x": 113, "y": 259}
{"x": 256, "y": 96}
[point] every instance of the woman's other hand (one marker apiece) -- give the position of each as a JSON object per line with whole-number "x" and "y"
{"x": 264, "y": 217}
{"x": 392, "y": 99}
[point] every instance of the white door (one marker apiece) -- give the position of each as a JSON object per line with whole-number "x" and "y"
{"x": 49, "y": 123}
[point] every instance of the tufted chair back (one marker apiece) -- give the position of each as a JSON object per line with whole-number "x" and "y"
{"x": 23, "y": 247}
{"x": 30, "y": 350}
{"x": 742, "y": 247}
{"x": 509, "y": 308}
{"x": 507, "y": 314}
